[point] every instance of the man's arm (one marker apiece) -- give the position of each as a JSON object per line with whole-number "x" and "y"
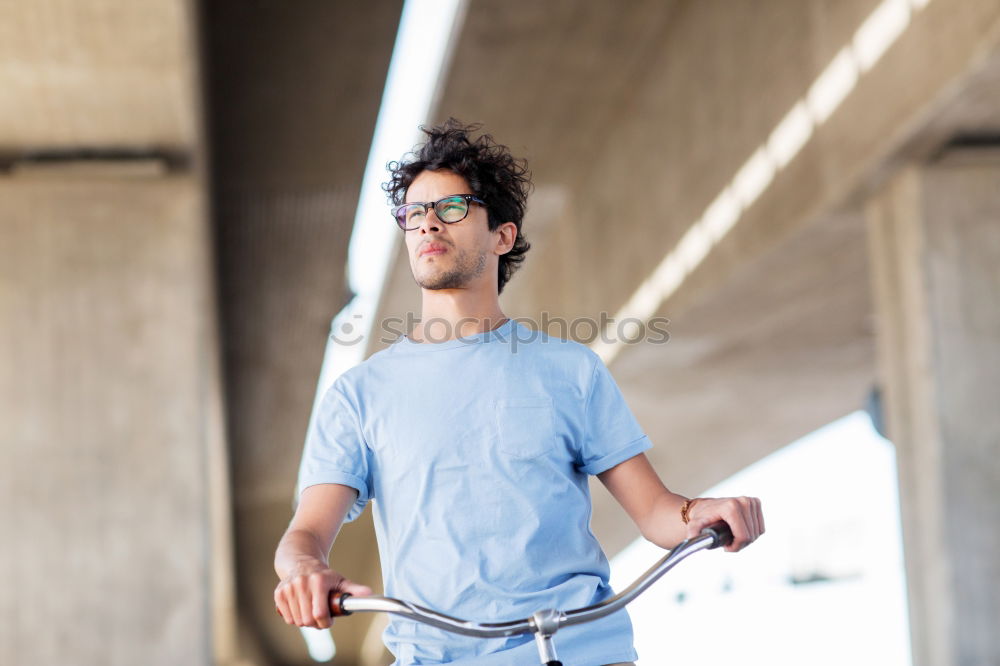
{"x": 302, "y": 596}
{"x": 657, "y": 512}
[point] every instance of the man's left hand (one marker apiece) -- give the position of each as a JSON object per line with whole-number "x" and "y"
{"x": 742, "y": 514}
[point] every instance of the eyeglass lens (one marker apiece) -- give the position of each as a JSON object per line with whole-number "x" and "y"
{"x": 450, "y": 209}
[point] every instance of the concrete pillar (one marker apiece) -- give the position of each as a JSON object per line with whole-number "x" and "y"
{"x": 112, "y": 476}
{"x": 935, "y": 251}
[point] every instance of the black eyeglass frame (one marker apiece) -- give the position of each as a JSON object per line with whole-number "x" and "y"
{"x": 469, "y": 198}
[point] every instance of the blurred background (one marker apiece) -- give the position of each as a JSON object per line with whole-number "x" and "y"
{"x": 193, "y": 243}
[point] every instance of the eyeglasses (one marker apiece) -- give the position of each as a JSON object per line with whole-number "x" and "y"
{"x": 449, "y": 210}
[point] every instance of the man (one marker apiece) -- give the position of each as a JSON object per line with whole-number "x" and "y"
{"x": 475, "y": 437}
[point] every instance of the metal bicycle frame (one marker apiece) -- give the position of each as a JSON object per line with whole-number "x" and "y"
{"x": 543, "y": 623}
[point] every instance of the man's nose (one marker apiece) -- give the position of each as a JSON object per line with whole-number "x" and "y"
{"x": 431, "y": 221}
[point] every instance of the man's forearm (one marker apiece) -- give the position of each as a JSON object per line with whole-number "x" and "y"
{"x": 663, "y": 525}
{"x": 307, "y": 541}
{"x": 302, "y": 596}
{"x": 298, "y": 549}
{"x": 655, "y": 510}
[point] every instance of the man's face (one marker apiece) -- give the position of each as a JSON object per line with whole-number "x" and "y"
{"x": 448, "y": 256}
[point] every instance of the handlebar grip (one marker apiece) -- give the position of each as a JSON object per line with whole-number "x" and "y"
{"x": 720, "y": 533}
{"x": 337, "y": 604}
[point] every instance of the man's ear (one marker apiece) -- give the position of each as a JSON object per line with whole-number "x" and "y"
{"x": 506, "y": 235}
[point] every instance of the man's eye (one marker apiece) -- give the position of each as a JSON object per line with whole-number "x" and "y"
{"x": 414, "y": 212}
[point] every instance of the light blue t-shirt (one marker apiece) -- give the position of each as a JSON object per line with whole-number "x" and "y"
{"x": 475, "y": 453}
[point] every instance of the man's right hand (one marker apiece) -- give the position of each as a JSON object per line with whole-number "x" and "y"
{"x": 303, "y": 597}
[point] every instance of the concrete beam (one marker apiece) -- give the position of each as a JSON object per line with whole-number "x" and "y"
{"x": 111, "y": 432}
{"x": 102, "y": 73}
{"x": 935, "y": 249}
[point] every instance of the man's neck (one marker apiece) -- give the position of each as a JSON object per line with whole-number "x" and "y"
{"x": 447, "y": 314}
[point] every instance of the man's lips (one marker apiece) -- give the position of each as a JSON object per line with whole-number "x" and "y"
{"x": 432, "y": 248}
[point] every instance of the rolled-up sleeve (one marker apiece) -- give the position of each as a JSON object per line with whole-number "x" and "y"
{"x": 611, "y": 433}
{"x": 336, "y": 452}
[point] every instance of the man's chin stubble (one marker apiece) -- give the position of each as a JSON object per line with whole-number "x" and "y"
{"x": 449, "y": 280}
{"x": 456, "y": 278}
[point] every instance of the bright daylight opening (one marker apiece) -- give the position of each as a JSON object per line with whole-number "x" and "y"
{"x": 824, "y": 586}
{"x": 319, "y": 643}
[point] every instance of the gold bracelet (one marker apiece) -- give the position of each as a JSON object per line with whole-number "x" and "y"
{"x": 685, "y": 508}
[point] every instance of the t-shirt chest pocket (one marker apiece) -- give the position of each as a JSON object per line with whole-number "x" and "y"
{"x": 525, "y": 426}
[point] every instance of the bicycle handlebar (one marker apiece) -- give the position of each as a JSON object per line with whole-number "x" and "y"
{"x": 547, "y": 621}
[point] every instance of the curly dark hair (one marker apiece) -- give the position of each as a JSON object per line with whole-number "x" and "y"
{"x": 493, "y": 174}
